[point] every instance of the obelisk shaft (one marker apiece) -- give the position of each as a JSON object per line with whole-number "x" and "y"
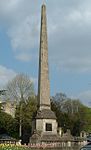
{"x": 43, "y": 82}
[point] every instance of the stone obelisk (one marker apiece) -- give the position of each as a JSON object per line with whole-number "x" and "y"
{"x": 45, "y": 125}
{"x": 43, "y": 82}
{"x": 45, "y": 119}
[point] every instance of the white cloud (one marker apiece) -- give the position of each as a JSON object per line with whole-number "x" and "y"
{"x": 24, "y": 57}
{"x": 23, "y": 36}
{"x": 6, "y": 74}
{"x": 75, "y": 64}
{"x": 19, "y": 18}
{"x": 69, "y": 41}
{"x": 85, "y": 97}
{"x": 69, "y": 30}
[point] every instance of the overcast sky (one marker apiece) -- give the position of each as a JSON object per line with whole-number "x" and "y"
{"x": 69, "y": 42}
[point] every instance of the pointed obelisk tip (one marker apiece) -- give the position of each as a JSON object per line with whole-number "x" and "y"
{"x": 44, "y": 3}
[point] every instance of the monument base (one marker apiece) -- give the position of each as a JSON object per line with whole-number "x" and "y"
{"x": 45, "y": 138}
{"x": 45, "y": 128}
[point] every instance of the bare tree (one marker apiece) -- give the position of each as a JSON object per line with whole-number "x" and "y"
{"x": 20, "y": 89}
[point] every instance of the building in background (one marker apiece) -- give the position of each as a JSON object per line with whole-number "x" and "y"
{"x": 8, "y": 107}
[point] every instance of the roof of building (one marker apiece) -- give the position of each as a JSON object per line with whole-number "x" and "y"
{"x": 6, "y": 137}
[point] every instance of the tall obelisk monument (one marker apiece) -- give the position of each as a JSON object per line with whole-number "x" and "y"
{"x": 45, "y": 119}
{"x": 43, "y": 82}
{"x": 45, "y": 123}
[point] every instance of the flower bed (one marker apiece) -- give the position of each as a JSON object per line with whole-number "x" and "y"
{"x": 12, "y": 147}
